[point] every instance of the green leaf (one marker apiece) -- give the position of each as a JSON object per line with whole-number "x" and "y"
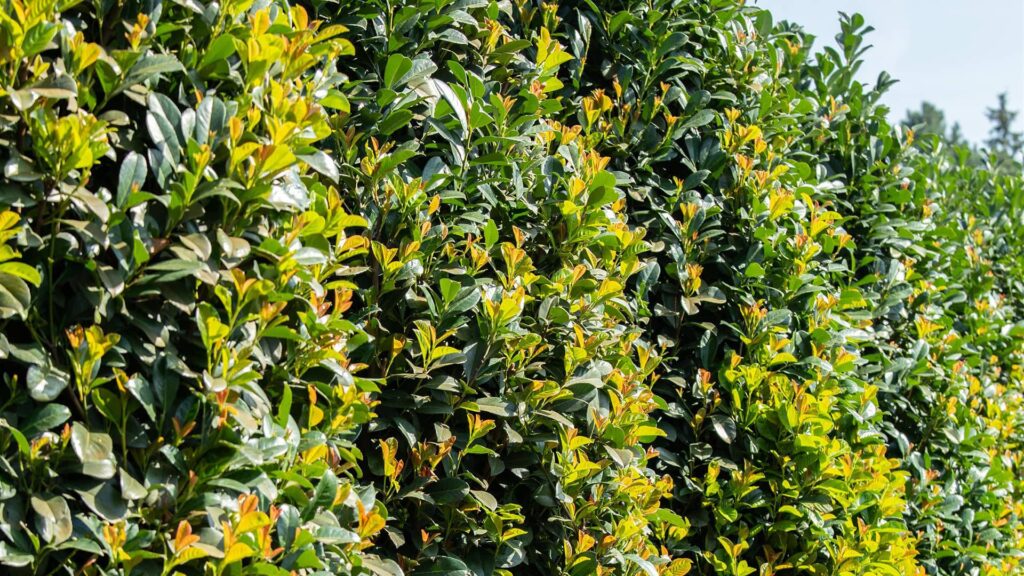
{"x": 324, "y": 494}
{"x": 422, "y": 68}
{"x": 38, "y": 38}
{"x": 148, "y": 68}
{"x": 131, "y": 488}
{"x": 55, "y": 87}
{"x": 486, "y": 499}
{"x": 210, "y": 120}
{"x": 645, "y": 565}
{"x": 699, "y": 119}
{"x": 131, "y": 176}
{"x": 382, "y": 567}
{"x": 142, "y": 392}
{"x": 222, "y": 48}
{"x": 163, "y": 121}
{"x": 454, "y": 102}
{"x": 15, "y": 558}
{"x": 395, "y": 121}
{"x": 322, "y": 163}
{"x": 490, "y": 234}
{"x": 53, "y": 519}
{"x": 284, "y": 407}
{"x": 176, "y": 269}
{"x": 104, "y": 498}
{"x": 448, "y": 490}
{"x": 724, "y": 426}
{"x": 335, "y": 100}
{"x": 496, "y": 406}
{"x": 602, "y": 196}
{"x": 449, "y": 289}
{"x": 397, "y": 67}
{"x": 443, "y": 566}
{"x": 14, "y": 296}
{"x": 94, "y": 451}
{"x": 46, "y": 418}
{"x": 45, "y": 382}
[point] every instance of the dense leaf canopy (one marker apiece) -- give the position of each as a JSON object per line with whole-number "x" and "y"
{"x": 479, "y": 287}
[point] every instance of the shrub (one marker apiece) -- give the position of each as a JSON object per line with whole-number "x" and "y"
{"x": 492, "y": 288}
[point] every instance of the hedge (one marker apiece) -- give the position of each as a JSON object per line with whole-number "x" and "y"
{"x": 472, "y": 287}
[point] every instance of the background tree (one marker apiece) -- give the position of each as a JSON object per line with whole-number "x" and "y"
{"x": 928, "y": 120}
{"x": 1005, "y": 143}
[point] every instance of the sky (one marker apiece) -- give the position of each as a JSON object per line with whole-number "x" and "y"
{"x": 956, "y": 54}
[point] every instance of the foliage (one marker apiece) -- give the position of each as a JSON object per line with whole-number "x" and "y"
{"x": 467, "y": 287}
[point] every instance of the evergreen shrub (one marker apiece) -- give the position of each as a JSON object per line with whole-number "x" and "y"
{"x": 480, "y": 287}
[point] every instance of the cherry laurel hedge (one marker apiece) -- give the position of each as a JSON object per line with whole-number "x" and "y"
{"x": 475, "y": 287}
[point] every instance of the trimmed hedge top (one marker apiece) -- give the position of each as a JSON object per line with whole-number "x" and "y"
{"x": 474, "y": 287}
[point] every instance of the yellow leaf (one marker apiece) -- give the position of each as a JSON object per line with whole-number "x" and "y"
{"x": 189, "y": 554}
{"x": 88, "y": 55}
{"x": 679, "y": 567}
{"x": 8, "y": 219}
{"x": 238, "y": 552}
{"x": 252, "y": 521}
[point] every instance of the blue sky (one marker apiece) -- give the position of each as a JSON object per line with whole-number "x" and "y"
{"x": 957, "y": 54}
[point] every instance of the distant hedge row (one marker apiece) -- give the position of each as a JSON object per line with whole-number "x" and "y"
{"x": 471, "y": 287}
